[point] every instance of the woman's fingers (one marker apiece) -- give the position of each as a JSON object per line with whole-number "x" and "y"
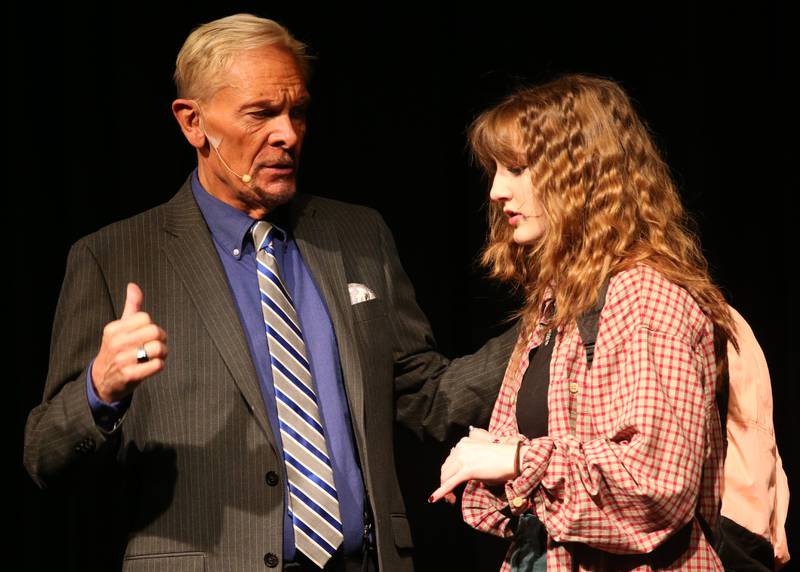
{"x": 451, "y": 476}
{"x": 447, "y": 486}
{"x": 485, "y": 437}
{"x": 482, "y": 435}
{"x": 476, "y": 458}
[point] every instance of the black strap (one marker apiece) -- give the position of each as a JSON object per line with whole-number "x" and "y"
{"x": 722, "y": 398}
{"x": 589, "y": 321}
{"x": 742, "y": 550}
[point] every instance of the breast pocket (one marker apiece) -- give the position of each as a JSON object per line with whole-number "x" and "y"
{"x": 369, "y": 310}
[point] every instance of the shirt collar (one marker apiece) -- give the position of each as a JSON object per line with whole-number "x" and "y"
{"x": 229, "y": 226}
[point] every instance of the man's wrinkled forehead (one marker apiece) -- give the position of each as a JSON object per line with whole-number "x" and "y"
{"x": 270, "y": 74}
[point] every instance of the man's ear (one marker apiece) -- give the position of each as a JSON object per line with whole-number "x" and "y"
{"x": 187, "y": 116}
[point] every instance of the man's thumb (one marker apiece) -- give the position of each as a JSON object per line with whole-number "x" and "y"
{"x": 133, "y": 300}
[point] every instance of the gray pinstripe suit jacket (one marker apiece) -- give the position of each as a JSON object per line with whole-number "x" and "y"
{"x": 195, "y": 445}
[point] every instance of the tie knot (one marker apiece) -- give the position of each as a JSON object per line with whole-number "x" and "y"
{"x": 262, "y": 234}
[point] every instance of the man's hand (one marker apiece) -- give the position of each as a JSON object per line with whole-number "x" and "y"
{"x": 116, "y": 372}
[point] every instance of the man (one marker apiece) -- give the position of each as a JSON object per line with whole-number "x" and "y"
{"x": 250, "y": 408}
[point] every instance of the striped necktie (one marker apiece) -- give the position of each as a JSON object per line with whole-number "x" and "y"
{"x": 313, "y": 502}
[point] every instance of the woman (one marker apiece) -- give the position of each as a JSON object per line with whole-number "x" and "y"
{"x": 610, "y": 460}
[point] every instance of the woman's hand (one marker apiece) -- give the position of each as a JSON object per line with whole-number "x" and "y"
{"x": 477, "y": 457}
{"x": 486, "y": 437}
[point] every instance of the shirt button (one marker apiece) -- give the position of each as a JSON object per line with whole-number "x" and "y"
{"x": 271, "y": 560}
{"x": 517, "y": 502}
{"x": 236, "y": 252}
{"x": 573, "y": 387}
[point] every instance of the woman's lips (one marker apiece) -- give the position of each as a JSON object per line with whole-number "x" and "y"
{"x": 514, "y": 219}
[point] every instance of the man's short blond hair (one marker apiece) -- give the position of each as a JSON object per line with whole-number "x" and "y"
{"x": 208, "y": 49}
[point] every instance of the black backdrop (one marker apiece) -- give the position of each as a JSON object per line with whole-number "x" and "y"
{"x": 92, "y": 140}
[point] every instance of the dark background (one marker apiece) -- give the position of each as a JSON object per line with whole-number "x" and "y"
{"x": 92, "y": 141}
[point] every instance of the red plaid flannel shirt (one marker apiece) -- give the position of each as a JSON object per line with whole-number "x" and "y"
{"x": 634, "y": 450}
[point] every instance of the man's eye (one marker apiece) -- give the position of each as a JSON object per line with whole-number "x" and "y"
{"x": 262, "y": 113}
{"x": 299, "y": 112}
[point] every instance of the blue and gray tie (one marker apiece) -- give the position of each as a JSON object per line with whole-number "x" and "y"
{"x": 313, "y": 502}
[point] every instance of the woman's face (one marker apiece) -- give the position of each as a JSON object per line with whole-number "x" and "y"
{"x": 512, "y": 188}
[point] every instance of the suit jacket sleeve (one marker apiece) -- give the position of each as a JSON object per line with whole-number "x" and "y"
{"x": 61, "y": 430}
{"x": 434, "y": 395}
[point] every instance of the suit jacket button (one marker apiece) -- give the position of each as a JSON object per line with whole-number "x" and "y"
{"x": 272, "y": 478}
{"x": 270, "y": 560}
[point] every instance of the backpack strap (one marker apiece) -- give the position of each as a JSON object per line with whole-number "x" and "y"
{"x": 589, "y": 322}
{"x": 722, "y": 398}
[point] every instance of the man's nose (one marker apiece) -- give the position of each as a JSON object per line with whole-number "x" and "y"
{"x": 284, "y": 132}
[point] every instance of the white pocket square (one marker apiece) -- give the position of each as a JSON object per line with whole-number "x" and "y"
{"x": 360, "y": 293}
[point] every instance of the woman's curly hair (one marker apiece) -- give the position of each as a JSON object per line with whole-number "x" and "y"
{"x": 608, "y": 197}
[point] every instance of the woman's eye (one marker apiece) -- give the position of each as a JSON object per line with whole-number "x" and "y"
{"x": 516, "y": 171}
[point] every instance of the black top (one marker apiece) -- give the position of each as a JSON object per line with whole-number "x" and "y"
{"x": 532, "y": 395}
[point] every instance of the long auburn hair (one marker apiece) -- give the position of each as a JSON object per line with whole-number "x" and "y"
{"x": 608, "y": 199}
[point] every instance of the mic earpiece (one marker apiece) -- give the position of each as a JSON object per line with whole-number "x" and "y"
{"x": 215, "y": 142}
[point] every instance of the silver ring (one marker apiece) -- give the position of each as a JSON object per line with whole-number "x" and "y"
{"x": 141, "y": 355}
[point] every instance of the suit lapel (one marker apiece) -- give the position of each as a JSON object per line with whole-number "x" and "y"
{"x": 195, "y": 258}
{"x": 318, "y": 243}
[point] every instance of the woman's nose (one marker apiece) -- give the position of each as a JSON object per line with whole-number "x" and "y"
{"x": 499, "y": 191}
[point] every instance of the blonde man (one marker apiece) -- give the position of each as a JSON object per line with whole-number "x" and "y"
{"x": 241, "y": 351}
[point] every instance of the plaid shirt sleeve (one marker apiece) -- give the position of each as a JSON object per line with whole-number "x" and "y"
{"x": 634, "y": 445}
